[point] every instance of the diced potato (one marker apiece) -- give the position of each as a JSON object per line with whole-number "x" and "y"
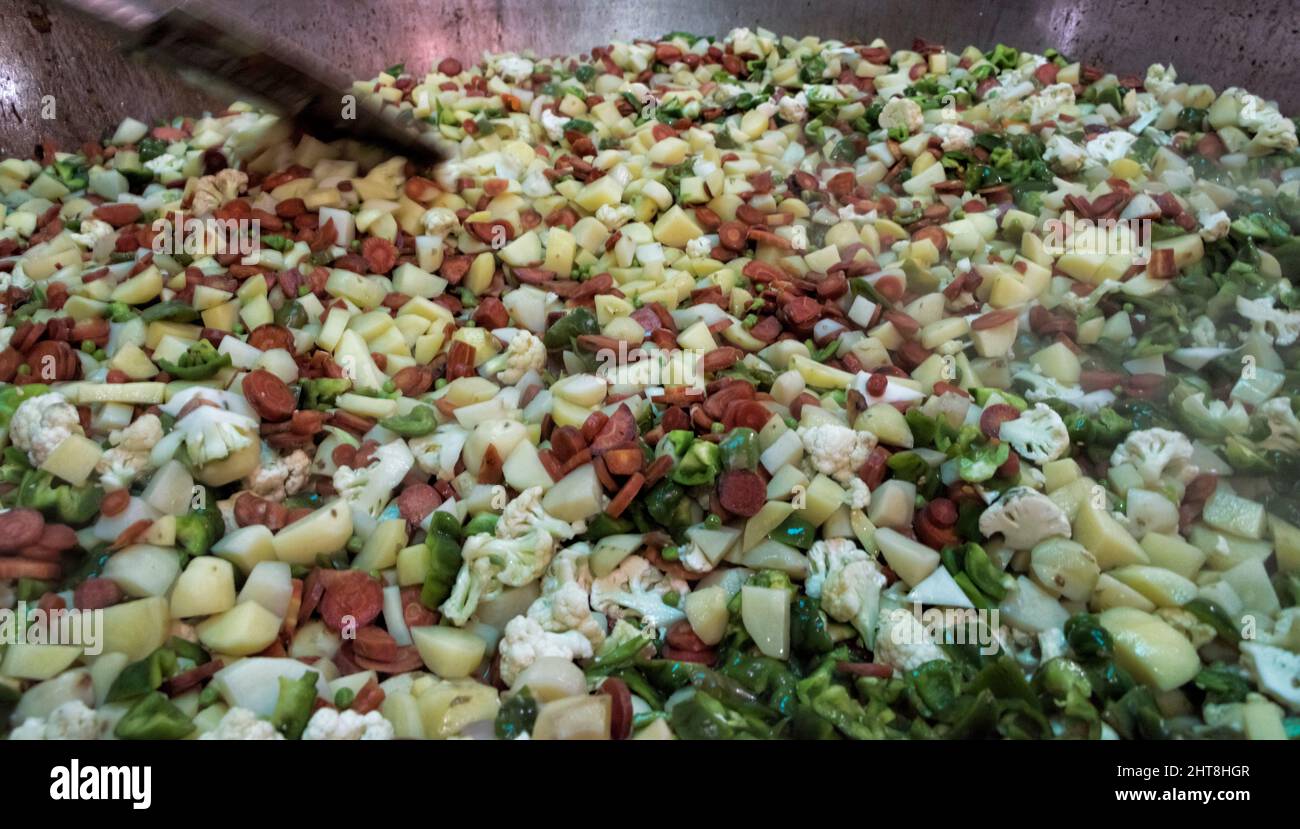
{"x": 449, "y": 652}
{"x": 911, "y": 560}
{"x": 270, "y": 585}
{"x": 1065, "y": 567}
{"x": 1172, "y": 553}
{"x": 245, "y": 629}
{"x": 1164, "y": 588}
{"x": 1030, "y": 608}
{"x": 1112, "y": 545}
{"x": 246, "y": 547}
{"x": 381, "y": 548}
{"x": 143, "y": 570}
{"x": 38, "y": 662}
{"x": 326, "y": 531}
{"x": 73, "y": 459}
{"x": 206, "y": 587}
{"x": 576, "y": 497}
{"x": 1111, "y": 592}
{"x": 575, "y": 718}
{"x": 137, "y": 628}
{"x": 706, "y": 610}
{"x": 1149, "y": 648}
{"x": 765, "y": 612}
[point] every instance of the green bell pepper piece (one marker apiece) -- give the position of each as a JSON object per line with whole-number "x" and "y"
{"x": 740, "y": 449}
{"x": 418, "y": 422}
{"x": 293, "y": 708}
{"x": 153, "y": 717}
{"x": 199, "y": 362}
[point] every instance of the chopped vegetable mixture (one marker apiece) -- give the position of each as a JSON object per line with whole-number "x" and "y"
{"x": 714, "y": 389}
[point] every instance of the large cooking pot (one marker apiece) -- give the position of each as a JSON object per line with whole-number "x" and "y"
{"x": 48, "y": 51}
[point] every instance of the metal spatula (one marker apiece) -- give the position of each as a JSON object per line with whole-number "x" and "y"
{"x": 234, "y": 58}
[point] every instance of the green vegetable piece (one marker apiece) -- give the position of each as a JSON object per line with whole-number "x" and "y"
{"x": 153, "y": 717}
{"x": 667, "y": 504}
{"x": 198, "y": 530}
{"x": 418, "y": 422}
{"x": 144, "y": 676}
{"x": 808, "y": 633}
{"x": 1222, "y": 684}
{"x": 795, "y": 531}
{"x": 516, "y": 715}
{"x": 982, "y": 462}
{"x": 199, "y": 362}
{"x": 572, "y": 325}
{"x": 171, "y": 311}
{"x": 986, "y": 575}
{"x": 699, "y": 466}
{"x": 1087, "y": 637}
{"x": 293, "y": 708}
{"x": 740, "y": 449}
{"x": 319, "y": 393}
{"x": 484, "y": 522}
{"x": 1211, "y": 614}
{"x": 291, "y": 315}
{"x": 444, "y": 561}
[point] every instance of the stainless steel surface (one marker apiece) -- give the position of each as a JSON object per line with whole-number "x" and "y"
{"x": 45, "y": 50}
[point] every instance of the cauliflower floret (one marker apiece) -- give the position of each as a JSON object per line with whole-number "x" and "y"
{"x": 1272, "y": 130}
{"x": 1160, "y": 81}
{"x": 835, "y": 450}
{"x": 1285, "y": 325}
{"x": 92, "y": 230}
{"x": 1204, "y": 333}
{"x": 1198, "y": 632}
{"x": 793, "y": 108}
{"x": 1110, "y": 147}
{"x": 370, "y": 488}
{"x": 699, "y": 247}
{"x": 1042, "y": 387}
{"x": 328, "y": 724}
{"x": 955, "y": 137}
{"x": 438, "y": 452}
{"x": 1214, "y": 225}
{"x": 903, "y": 643}
{"x": 614, "y": 216}
{"x": 858, "y": 494}
{"x": 1047, "y": 104}
{"x": 211, "y": 192}
{"x": 514, "y": 68}
{"x": 637, "y": 587}
{"x": 211, "y": 433}
{"x": 242, "y": 724}
{"x": 1283, "y": 425}
{"x": 526, "y": 353}
{"x": 490, "y": 562}
{"x": 1156, "y": 452}
{"x": 439, "y": 221}
{"x": 525, "y": 514}
{"x": 1038, "y": 434}
{"x": 554, "y": 123}
{"x": 1024, "y": 517}
{"x": 526, "y": 641}
{"x": 1275, "y": 671}
{"x": 279, "y": 478}
{"x": 563, "y": 607}
{"x": 901, "y": 112}
{"x": 70, "y": 721}
{"x": 41, "y": 423}
{"x": 847, "y": 581}
{"x": 1064, "y": 155}
{"x": 130, "y": 453}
